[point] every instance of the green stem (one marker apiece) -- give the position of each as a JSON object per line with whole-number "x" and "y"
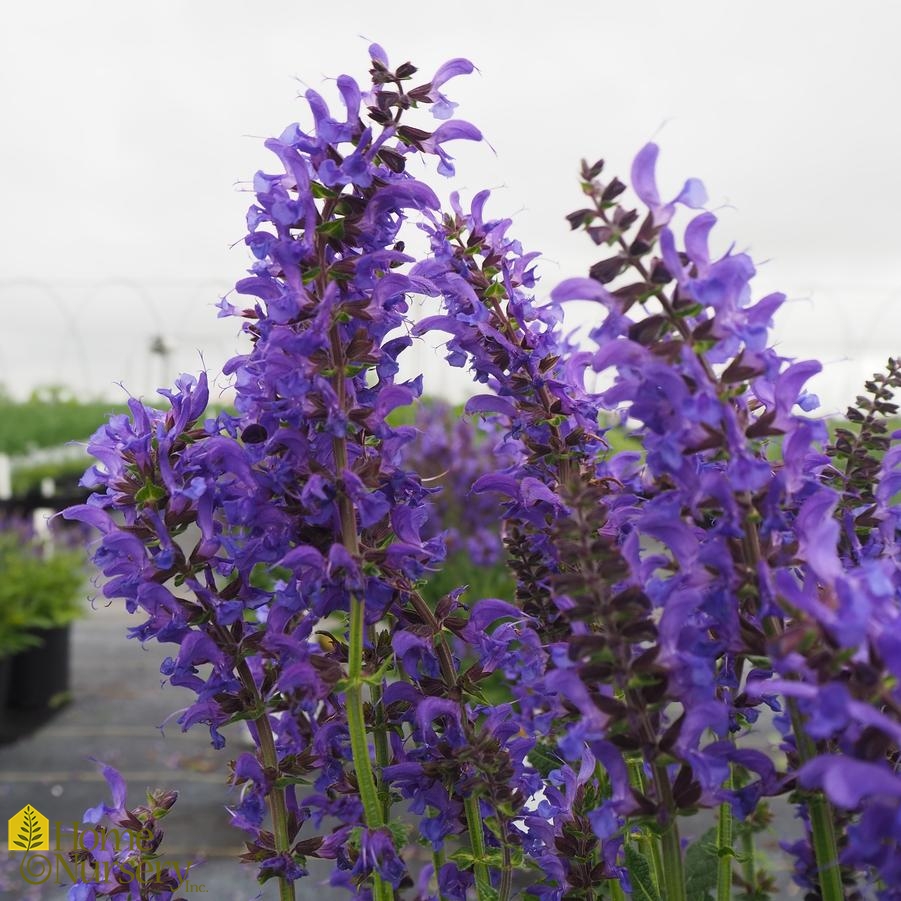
{"x": 477, "y": 842}
{"x": 671, "y": 846}
{"x": 674, "y": 877}
{"x": 276, "y": 797}
{"x": 506, "y": 883}
{"x": 359, "y": 746}
{"x": 724, "y": 849}
{"x": 353, "y": 695}
{"x": 438, "y": 863}
{"x": 382, "y": 751}
{"x": 650, "y": 846}
{"x": 825, "y": 847}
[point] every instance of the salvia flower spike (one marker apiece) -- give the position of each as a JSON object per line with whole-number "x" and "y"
{"x": 547, "y": 739}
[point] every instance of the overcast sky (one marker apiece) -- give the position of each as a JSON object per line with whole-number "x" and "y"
{"x": 130, "y": 131}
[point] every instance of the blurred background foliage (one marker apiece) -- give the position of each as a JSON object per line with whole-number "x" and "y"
{"x": 49, "y": 417}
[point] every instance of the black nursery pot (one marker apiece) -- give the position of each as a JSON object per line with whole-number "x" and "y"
{"x": 6, "y": 665}
{"x": 40, "y": 676}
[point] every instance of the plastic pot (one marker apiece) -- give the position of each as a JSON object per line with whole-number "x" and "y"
{"x": 39, "y": 678}
{"x": 6, "y": 664}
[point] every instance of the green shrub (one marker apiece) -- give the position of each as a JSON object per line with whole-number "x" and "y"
{"x": 50, "y": 417}
{"x": 42, "y": 586}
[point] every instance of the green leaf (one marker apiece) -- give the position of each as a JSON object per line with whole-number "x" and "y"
{"x": 495, "y": 858}
{"x": 251, "y": 714}
{"x": 462, "y": 858}
{"x": 20, "y": 845}
{"x": 285, "y": 781}
{"x": 643, "y": 887}
{"x": 265, "y": 577}
{"x": 400, "y": 833}
{"x": 544, "y": 758}
{"x": 700, "y": 867}
{"x": 150, "y": 493}
{"x": 319, "y": 191}
{"x": 486, "y": 891}
{"x": 334, "y": 228}
{"x": 378, "y": 677}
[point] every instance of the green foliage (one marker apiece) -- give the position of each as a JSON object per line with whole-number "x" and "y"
{"x": 53, "y": 417}
{"x": 621, "y": 439}
{"x": 26, "y": 479}
{"x": 406, "y": 415}
{"x": 700, "y": 867}
{"x": 545, "y": 758}
{"x": 483, "y": 581}
{"x": 37, "y": 591}
{"x": 643, "y": 886}
{"x": 50, "y": 417}
{"x": 267, "y": 578}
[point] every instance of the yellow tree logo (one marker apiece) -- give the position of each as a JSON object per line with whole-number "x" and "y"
{"x": 29, "y": 831}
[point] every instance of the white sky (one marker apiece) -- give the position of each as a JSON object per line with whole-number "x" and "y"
{"x": 127, "y": 127}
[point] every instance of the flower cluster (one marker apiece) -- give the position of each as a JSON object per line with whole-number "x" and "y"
{"x": 547, "y": 739}
{"x": 123, "y": 860}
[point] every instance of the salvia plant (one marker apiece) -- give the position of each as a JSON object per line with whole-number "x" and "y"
{"x": 740, "y": 567}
